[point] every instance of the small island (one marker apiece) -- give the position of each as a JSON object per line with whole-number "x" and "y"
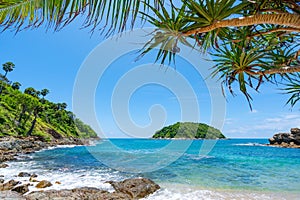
{"x": 189, "y": 130}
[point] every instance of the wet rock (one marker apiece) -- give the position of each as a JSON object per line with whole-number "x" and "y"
{"x": 135, "y": 188}
{"x": 43, "y": 184}
{"x": 24, "y": 174}
{"x": 3, "y": 165}
{"x": 2, "y": 180}
{"x": 8, "y": 185}
{"x": 22, "y": 189}
{"x": 57, "y": 182}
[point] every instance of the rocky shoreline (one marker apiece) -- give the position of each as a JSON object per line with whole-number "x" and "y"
{"x": 135, "y": 188}
{"x": 11, "y": 148}
{"x": 286, "y": 140}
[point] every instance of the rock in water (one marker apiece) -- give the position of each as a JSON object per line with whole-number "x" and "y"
{"x": 43, "y": 184}
{"x": 22, "y": 189}
{"x": 3, "y": 165}
{"x": 135, "y": 188}
{"x": 24, "y": 174}
{"x": 8, "y": 185}
{"x": 291, "y": 140}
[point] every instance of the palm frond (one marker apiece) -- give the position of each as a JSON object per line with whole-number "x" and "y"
{"x": 293, "y": 88}
{"x": 112, "y": 15}
{"x": 166, "y": 38}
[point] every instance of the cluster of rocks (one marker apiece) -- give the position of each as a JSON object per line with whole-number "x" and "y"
{"x": 10, "y": 147}
{"x": 128, "y": 189}
{"x": 288, "y": 140}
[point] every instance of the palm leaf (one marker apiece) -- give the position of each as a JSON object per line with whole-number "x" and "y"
{"x": 114, "y": 15}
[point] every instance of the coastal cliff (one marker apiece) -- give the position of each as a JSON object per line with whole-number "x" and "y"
{"x": 288, "y": 140}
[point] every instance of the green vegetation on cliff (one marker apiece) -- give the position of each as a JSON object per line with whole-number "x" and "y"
{"x": 28, "y": 113}
{"x": 189, "y": 130}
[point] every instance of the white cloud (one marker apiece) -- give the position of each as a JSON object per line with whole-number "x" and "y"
{"x": 263, "y": 127}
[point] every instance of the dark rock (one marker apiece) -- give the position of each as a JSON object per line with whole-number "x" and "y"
{"x": 8, "y": 185}
{"x": 135, "y": 188}
{"x": 43, "y": 184}
{"x": 1, "y": 180}
{"x": 3, "y": 165}
{"x": 22, "y": 189}
{"x": 24, "y": 174}
{"x": 288, "y": 140}
{"x": 295, "y": 131}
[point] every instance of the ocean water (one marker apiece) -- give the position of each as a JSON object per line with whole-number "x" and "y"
{"x": 185, "y": 169}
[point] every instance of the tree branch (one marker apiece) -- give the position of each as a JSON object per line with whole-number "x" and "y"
{"x": 286, "y": 19}
{"x": 270, "y": 31}
{"x": 281, "y": 70}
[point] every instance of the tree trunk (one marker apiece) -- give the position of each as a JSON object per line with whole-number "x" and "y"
{"x": 32, "y": 126}
{"x": 282, "y": 70}
{"x": 286, "y": 19}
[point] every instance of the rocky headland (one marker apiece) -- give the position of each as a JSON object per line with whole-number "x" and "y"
{"x": 286, "y": 140}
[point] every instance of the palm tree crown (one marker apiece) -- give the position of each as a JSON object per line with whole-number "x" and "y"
{"x": 251, "y": 41}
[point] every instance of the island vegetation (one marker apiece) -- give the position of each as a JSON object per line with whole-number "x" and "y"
{"x": 189, "y": 130}
{"x": 29, "y": 113}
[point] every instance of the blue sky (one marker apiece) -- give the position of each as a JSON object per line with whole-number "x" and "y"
{"x": 50, "y": 60}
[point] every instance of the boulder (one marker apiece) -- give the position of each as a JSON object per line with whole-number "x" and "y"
{"x": 288, "y": 140}
{"x": 3, "y": 165}
{"x": 24, "y": 174}
{"x": 43, "y": 184}
{"x": 22, "y": 189}
{"x": 295, "y": 131}
{"x": 135, "y": 188}
{"x": 8, "y": 185}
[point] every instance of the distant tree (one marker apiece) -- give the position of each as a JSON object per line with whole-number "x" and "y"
{"x": 16, "y": 85}
{"x": 61, "y": 106}
{"x": 8, "y": 67}
{"x": 44, "y": 92}
{"x": 31, "y": 91}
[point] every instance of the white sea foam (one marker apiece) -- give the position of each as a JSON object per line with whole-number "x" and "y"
{"x": 68, "y": 179}
{"x": 97, "y": 178}
{"x": 249, "y": 144}
{"x": 185, "y": 192}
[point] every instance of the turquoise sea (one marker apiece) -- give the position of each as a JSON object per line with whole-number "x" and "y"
{"x": 185, "y": 169}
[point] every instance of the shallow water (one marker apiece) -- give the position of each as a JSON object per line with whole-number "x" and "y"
{"x": 186, "y": 169}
